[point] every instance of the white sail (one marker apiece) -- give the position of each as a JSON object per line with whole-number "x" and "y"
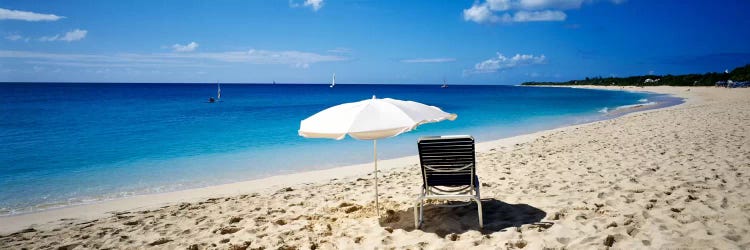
{"x": 333, "y": 82}
{"x": 218, "y": 94}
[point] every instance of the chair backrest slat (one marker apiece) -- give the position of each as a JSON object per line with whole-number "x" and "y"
{"x": 450, "y": 155}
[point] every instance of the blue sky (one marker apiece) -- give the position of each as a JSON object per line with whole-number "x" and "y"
{"x": 422, "y": 42}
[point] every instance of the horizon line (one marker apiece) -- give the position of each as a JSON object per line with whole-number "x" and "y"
{"x": 261, "y": 83}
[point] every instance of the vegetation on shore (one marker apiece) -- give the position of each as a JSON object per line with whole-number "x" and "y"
{"x": 707, "y": 79}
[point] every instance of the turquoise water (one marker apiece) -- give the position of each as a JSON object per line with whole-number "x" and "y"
{"x": 63, "y": 143}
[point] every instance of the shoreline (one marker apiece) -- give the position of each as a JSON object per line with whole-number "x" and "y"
{"x": 98, "y": 209}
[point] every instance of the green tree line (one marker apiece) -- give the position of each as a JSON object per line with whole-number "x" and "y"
{"x": 708, "y": 79}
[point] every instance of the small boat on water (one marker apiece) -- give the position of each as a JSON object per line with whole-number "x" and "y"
{"x": 333, "y": 82}
{"x": 218, "y": 94}
{"x": 445, "y": 84}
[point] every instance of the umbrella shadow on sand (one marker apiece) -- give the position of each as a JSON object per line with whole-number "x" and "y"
{"x": 498, "y": 216}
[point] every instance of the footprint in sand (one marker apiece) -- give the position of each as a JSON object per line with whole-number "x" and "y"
{"x": 227, "y": 230}
{"x": 159, "y": 242}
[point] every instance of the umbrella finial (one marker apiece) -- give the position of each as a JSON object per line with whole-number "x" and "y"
{"x": 373, "y": 97}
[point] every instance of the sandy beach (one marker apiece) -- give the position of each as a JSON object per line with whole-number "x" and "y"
{"x": 677, "y": 177}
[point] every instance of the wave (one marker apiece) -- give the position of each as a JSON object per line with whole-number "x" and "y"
{"x": 635, "y": 105}
{"x": 643, "y": 102}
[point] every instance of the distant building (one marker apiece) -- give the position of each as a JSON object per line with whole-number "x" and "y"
{"x": 649, "y": 80}
{"x": 732, "y": 84}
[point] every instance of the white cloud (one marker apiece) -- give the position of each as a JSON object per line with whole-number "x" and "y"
{"x": 507, "y": 11}
{"x": 340, "y": 51}
{"x": 539, "y": 16}
{"x": 499, "y": 5}
{"x": 13, "y": 37}
{"x": 70, "y": 36}
{"x": 314, "y": 4}
{"x": 549, "y": 4}
{"x": 6, "y": 14}
{"x": 49, "y": 38}
{"x": 190, "y": 47}
{"x": 74, "y": 35}
{"x": 302, "y": 65}
{"x": 289, "y": 57}
{"x": 296, "y": 59}
{"x": 502, "y": 62}
{"x": 428, "y": 60}
{"x": 480, "y": 14}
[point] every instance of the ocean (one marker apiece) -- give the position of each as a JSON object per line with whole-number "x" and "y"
{"x": 70, "y": 143}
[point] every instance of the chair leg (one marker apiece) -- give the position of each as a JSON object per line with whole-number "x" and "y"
{"x": 479, "y": 208}
{"x": 416, "y": 214}
{"x": 421, "y": 212}
{"x": 418, "y": 210}
{"x": 476, "y": 189}
{"x": 479, "y": 204}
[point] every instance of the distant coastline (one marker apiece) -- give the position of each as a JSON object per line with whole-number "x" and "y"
{"x": 739, "y": 74}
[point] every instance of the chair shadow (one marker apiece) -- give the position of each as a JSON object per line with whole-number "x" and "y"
{"x": 442, "y": 221}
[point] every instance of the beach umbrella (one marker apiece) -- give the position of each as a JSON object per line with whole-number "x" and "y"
{"x": 371, "y": 119}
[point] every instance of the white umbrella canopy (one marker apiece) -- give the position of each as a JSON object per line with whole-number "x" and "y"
{"x": 371, "y": 119}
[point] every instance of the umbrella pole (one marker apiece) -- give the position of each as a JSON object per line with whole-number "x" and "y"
{"x": 375, "y": 152}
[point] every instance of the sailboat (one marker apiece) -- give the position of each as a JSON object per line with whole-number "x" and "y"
{"x": 218, "y": 94}
{"x": 333, "y": 82}
{"x": 445, "y": 85}
{"x": 218, "y": 91}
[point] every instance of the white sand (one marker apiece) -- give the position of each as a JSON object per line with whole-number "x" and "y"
{"x": 668, "y": 178}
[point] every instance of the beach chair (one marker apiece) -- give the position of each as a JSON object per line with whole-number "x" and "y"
{"x": 449, "y": 172}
